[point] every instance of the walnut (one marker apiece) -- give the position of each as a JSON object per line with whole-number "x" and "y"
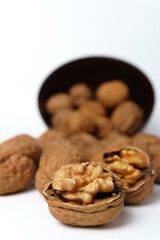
{"x": 112, "y": 93}
{"x": 83, "y": 141}
{"x": 134, "y": 168}
{"x": 151, "y": 145}
{"x": 84, "y": 195}
{"x": 50, "y": 136}
{"x": 93, "y": 107}
{"x": 80, "y": 93}
{"x": 127, "y": 117}
{"x": 57, "y": 102}
{"x": 55, "y": 155}
{"x": 103, "y": 125}
{"x": 58, "y": 119}
{"x": 157, "y": 165}
{"x": 18, "y": 162}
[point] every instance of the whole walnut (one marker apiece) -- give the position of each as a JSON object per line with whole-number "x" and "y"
{"x": 127, "y": 117}
{"x": 18, "y": 162}
{"x": 93, "y": 107}
{"x": 80, "y": 93}
{"x": 112, "y": 93}
{"x": 57, "y": 102}
{"x": 58, "y": 119}
{"x": 103, "y": 126}
{"x": 50, "y": 136}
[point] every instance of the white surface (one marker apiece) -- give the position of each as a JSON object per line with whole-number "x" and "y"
{"x": 37, "y": 36}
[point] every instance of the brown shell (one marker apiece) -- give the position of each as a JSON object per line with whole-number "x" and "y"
{"x": 156, "y": 160}
{"x": 57, "y": 102}
{"x": 112, "y": 93}
{"x": 144, "y": 186}
{"x": 18, "y": 162}
{"x": 57, "y": 154}
{"x": 101, "y": 211}
{"x": 80, "y": 93}
{"x": 127, "y": 117}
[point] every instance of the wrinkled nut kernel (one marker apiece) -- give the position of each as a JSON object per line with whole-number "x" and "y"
{"x": 112, "y": 93}
{"x": 93, "y": 107}
{"x": 57, "y": 102}
{"x": 133, "y": 167}
{"x": 81, "y": 182}
{"x": 80, "y": 93}
{"x": 86, "y": 188}
{"x": 127, "y": 117}
{"x": 18, "y": 162}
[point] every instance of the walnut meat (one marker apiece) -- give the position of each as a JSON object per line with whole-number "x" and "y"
{"x": 57, "y": 102}
{"x": 133, "y": 167}
{"x": 80, "y": 93}
{"x": 18, "y": 162}
{"x": 127, "y": 117}
{"x": 84, "y": 195}
{"x": 112, "y": 93}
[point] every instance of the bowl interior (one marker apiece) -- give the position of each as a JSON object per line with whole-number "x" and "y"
{"x": 94, "y": 71}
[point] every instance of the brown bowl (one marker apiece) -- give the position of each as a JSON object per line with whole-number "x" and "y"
{"x": 93, "y": 71}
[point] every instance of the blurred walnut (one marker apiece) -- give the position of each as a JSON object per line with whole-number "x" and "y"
{"x": 50, "y": 136}
{"x": 112, "y": 93}
{"x": 103, "y": 126}
{"x": 80, "y": 93}
{"x": 18, "y": 162}
{"x": 127, "y": 117}
{"x": 93, "y": 107}
{"x": 83, "y": 194}
{"x": 83, "y": 141}
{"x": 58, "y": 119}
{"x": 55, "y": 155}
{"x": 57, "y": 102}
{"x": 157, "y": 165}
{"x": 133, "y": 167}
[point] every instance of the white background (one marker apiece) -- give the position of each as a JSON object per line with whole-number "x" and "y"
{"x": 36, "y": 37}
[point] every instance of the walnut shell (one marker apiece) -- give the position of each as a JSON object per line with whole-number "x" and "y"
{"x": 127, "y": 117}
{"x": 57, "y": 102}
{"x": 80, "y": 93}
{"x": 104, "y": 208}
{"x": 18, "y": 162}
{"x": 112, "y": 93}
{"x": 142, "y": 186}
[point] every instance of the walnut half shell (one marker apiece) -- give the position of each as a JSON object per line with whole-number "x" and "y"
{"x": 84, "y": 195}
{"x": 133, "y": 167}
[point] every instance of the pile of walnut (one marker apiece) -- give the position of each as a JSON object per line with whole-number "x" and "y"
{"x": 87, "y": 165}
{"x": 83, "y": 110}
